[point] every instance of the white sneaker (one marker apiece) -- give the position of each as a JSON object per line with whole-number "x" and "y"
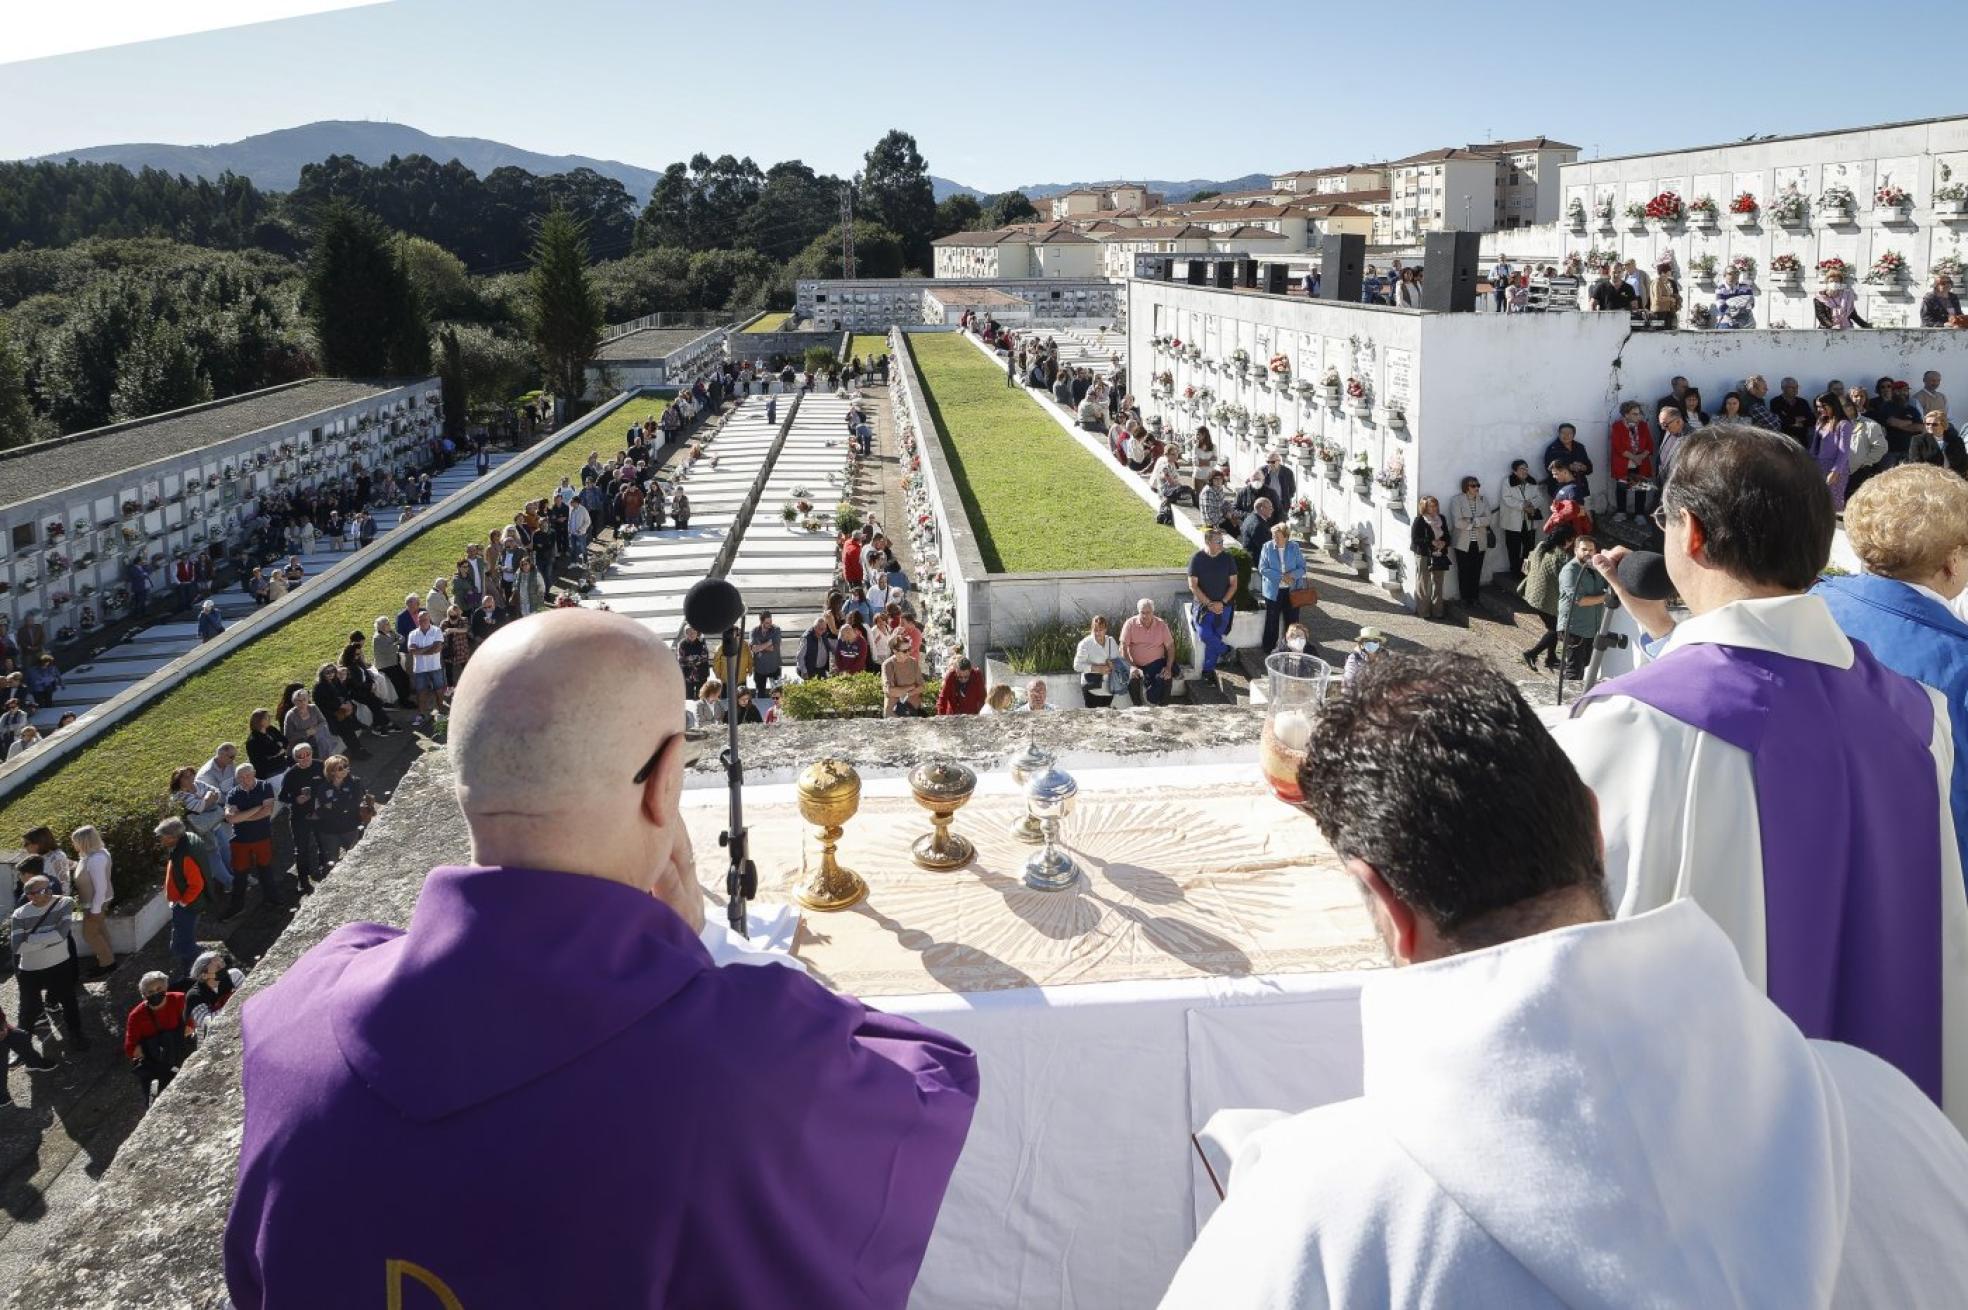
{"x": 1620, "y": 517}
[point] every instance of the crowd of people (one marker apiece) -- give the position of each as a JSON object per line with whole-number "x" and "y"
{"x": 1712, "y": 928}
{"x": 283, "y": 813}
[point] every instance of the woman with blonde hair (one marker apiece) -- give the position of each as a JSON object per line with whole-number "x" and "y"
{"x": 1001, "y": 699}
{"x": 1909, "y": 528}
{"x": 92, "y": 892}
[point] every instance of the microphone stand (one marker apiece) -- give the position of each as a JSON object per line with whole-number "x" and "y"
{"x": 741, "y": 876}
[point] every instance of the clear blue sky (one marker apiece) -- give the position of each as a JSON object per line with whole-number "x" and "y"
{"x": 1002, "y": 95}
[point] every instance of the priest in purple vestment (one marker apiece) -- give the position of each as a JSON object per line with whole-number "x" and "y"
{"x": 1772, "y": 769}
{"x": 545, "y": 1093}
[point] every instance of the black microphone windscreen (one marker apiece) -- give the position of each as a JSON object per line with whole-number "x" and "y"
{"x": 712, "y": 605}
{"x": 1643, "y": 573}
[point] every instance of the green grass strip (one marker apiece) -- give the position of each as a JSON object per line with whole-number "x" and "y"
{"x": 867, "y": 345}
{"x": 120, "y": 781}
{"x": 1038, "y": 500}
{"x": 771, "y": 322}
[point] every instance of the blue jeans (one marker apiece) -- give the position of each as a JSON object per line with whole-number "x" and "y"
{"x": 184, "y": 934}
{"x": 1213, "y": 629}
{"x": 219, "y": 840}
{"x": 1154, "y": 683}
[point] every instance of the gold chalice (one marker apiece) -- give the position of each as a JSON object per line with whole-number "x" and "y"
{"x": 942, "y": 787}
{"x": 829, "y": 794}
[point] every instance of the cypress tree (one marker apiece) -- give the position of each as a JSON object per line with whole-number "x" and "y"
{"x": 565, "y": 311}
{"x": 367, "y": 318}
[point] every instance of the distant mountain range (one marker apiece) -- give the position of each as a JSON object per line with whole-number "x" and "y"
{"x": 273, "y": 160}
{"x": 1172, "y": 191}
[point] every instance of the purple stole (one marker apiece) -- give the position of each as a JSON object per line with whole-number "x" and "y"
{"x": 1847, "y": 803}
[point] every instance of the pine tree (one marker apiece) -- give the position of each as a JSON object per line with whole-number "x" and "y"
{"x": 368, "y": 321}
{"x": 565, "y": 313}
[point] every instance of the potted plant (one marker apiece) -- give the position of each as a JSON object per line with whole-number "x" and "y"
{"x": 1281, "y": 368}
{"x": 1575, "y": 215}
{"x": 1703, "y": 212}
{"x": 1745, "y": 266}
{"x": 1393, "y": 481}
{"x": 1950, "y": 197}
{"x": 1891, "y": 204}
{"x": 1889, "y": 270}
{"x": 1791, "y": 209}
{"x": 1301, "y": 449}
{"x": 1354, "y": 543}
{"x": 1330, "y": 384}
{"x": 1743, "y": 209}
{"x": 1834, "y": 269}
{"x": 1666, "y": 209}
{"x": 1391, "y": 562}
{"x": 1361, "y": 401}
{"x": 1787, "y": 271}
{"x": 1636, "y": 216}
{"x": 1950, "y": 267}
{"x": 1837, "y": 204}
{"x": 1240, "y": 361}
{"x": 1362, "y": 473}
{"x": 1604, "y": 212}
{"x": 1702, "y": 268}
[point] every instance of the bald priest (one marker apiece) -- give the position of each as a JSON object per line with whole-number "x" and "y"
{"x": 544, "y": 1093}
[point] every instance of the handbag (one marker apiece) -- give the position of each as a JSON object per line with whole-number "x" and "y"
{"x": 1301, "y": 597}
{"x": 1492, "y": 533}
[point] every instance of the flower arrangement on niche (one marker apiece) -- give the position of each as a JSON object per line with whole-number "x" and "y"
{"x": 1704, "y": 209}
{"x": 1575, "y": 213}
{"x": 1665, "y": 208}
{"x": 1837, "y": 199}
{"x": 1834, "y": 269}
{"x": 1743, "y": 203}
{"x": 1889, "y": 196}
{"x": 1744, "y": 265}
{"x": 1787, "y": 265}
{"x": 1281, "y": 366}
{"x": 1888, "y": 270}
{"x": 1635, "y": 211}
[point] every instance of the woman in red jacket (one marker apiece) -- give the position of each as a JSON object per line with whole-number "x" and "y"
{"x": 1633, "y": 461}
{"x": 157, "y": 1035}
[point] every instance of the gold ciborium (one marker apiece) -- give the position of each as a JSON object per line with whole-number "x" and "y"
{"x": 942, "y": 787}
{"x": 829, "y": 794}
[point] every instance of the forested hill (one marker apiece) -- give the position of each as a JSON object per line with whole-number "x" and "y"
{"x": 273, "y": 161}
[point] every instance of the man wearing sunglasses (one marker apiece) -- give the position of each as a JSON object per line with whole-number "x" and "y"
{"x": 552, "y": 1023}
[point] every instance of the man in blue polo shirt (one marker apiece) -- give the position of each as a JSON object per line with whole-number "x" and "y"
{"x": 1213, "y": 584}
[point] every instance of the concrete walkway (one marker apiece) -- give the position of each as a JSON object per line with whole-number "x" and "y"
{"x": 648, "y": 579}
{"x": 781, "y": 566}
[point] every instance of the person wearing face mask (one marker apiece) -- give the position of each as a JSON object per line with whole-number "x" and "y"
{"x": 1366, "y": 647}
{"x": 1298, "y": 640}
{"x": 157, "y": 1034}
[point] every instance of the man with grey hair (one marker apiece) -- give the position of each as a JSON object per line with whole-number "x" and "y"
{"x": 300, "y": 792}
{"x": 1149, "y": 649}
{"x": 187, "y": 857}
{"x": 156, "y": 1034}
{"x": 1756, "y": 403}
{"x": 375, "y": 1107}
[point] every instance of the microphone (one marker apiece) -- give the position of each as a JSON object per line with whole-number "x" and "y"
{"x": 714, "y": 605}
{"x": 1643, "y": 575}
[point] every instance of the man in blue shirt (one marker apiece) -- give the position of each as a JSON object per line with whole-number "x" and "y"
{"x": 249, "y": 809}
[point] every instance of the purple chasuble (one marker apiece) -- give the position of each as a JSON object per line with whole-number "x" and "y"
{"x": 545, "y": 1094}
{"x": 1848, "y": 802}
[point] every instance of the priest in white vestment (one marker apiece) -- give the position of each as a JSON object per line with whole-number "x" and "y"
{"x": 1562, "y": 1109}
{"x": 1767, "y": 766}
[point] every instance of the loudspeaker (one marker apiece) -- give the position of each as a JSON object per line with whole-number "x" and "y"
{"x": 1165, "y": 270}
{"x": 1341, "y": 257}
{"x": 1198, "y": 273}
{"x": 1247, "y": 273}
{"x": 1277, "y": 279}
{"x": 1449, "y": 271}
{"x": 1226, "y": 274}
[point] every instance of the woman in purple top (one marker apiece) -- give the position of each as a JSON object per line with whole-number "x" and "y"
{"x": 1831, "y": 446}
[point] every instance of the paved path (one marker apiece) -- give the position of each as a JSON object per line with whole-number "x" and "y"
{"x": 148, "y": 649}
{"x": 649, "y": 578}
{"x": 781, "y": 566}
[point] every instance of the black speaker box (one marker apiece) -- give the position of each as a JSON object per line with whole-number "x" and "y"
{"x": 1198, "y": 273}
{"x": 1341, "y": 259}
{"x": 1226, "y": 274}
{"x": 1277, "y": 279}
{"x": 1448, "y": 279}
